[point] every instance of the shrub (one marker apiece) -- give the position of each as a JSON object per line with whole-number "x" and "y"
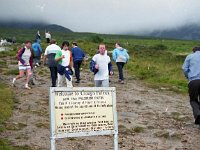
{"x": 96, "y": 39}
{"x": 159, "y": 47}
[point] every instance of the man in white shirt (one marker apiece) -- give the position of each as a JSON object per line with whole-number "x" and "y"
{"x": 102, "y": 67}
{"x": 48, "y": 36}
{"x": 50, "y": 53}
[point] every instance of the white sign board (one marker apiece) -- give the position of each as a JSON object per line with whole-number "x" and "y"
{"x": 87, "y": 111}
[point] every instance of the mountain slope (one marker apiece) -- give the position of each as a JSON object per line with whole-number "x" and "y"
{"x": 189, "y": 32}
{"x": 34, "y": 25}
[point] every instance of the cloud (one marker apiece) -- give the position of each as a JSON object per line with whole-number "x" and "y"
{"x": 105, "y": 16}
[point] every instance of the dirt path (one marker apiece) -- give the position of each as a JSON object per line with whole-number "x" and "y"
{"x": 148, "y": 119}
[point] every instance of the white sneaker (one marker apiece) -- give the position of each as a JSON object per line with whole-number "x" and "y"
{"x": 27, "y": 87}
{"x": 13, "y": 81}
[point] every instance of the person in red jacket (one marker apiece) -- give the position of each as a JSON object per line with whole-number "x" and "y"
{"x": 24, "y": 56}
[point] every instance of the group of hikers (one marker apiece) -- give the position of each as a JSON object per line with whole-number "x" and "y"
{"x": 65, "y": 61}
{"x": 47, "y": 36}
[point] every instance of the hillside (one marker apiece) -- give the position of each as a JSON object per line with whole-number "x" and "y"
{"x": 34, "y": 25}
{"x": 188, "y": 32}
{"x": 153, "y": 108}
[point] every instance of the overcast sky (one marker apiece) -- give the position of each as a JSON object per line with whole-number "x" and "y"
{"x": 105, "y": 16}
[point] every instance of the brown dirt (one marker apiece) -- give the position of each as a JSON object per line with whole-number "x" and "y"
{"x": 149, "y": 119}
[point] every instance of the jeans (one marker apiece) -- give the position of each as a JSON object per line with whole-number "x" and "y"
{"x": 77, "y": 65}
{"x": 194, "y": 93}
{"x": 120, "y": 66}
{"x": 53, "y": 71}
{"x": 102, "y": 83}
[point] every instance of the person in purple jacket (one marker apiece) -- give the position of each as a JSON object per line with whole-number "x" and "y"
{"x": 24, "y": 56}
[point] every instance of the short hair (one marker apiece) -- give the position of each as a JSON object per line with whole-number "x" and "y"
{"x": 65, "y": 43}
{"x": 196, "y": 48}
{"x": 53, "y": 41}
{"x": 102, "y": 44}
{"x": 27, "y": 41}
{"x": 75, "y": 43}
{"x": 118, "y": 44}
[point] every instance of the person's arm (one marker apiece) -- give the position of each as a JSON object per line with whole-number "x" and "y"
{"x": 19, "y": 55}
{"x": 84, "y": 59}
{"x": 40, "y": 49}
{"x": 114, "y": 56}
{"x": 127, "y": 56}
{"x": 59, "y": 56}
{"x": 185, "y": 66}
{"x": 45, "y": 56}
{"x": 93, "y": 65}
{"x": 110, "y": 69}
{"x": 31, "y": 60}
{"x": 71, "y": 64}
{"x": 44, "y": 59}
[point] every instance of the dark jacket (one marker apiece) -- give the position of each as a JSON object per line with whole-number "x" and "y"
{"x": 93, "y": 69}
{"x": 65, "y": 70}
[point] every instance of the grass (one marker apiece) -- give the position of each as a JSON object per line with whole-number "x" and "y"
{"x": 158, "y": 68}
{"x": 6, "y": 106}
{"x": 138, "y": 129}
{"x": 6, "y": 102}
{"x": 157, "y": 62}
{"x": 12, "y": 72}
{"x": 6, "y": 145}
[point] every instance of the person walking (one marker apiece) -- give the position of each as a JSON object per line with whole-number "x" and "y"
{"x": 101, "y": 66}
{"x": 37, "y": 52}
{"x": 191, "y": 70}
{"x": 78, "y": 58}
{"x": 48, "y": 37}
{"x": 24, "y": 56}
{"x": 50, "y": 53}
{"x": 37, "y": 36}
{"x": 121, "y": 57}
{"x": 65, "y": 64}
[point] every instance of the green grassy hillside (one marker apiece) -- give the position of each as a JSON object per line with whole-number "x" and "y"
{"x": 157, "y": 62}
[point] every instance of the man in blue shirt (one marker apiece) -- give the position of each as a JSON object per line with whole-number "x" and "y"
{"x": 191, "y": 69}
{"x": 78, "y": 57}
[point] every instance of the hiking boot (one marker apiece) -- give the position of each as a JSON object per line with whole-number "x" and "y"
{"x": 13, "y": 81}
{"x": 27, "y": 87}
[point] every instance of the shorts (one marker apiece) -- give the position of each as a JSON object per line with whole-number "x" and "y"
{"x": 25, "y": 67}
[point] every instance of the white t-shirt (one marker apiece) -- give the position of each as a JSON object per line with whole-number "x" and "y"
{"x": 102, "y": 61}
{"x": 53, "y": 48}
{"x": 48, "y": 35}
{"x": 26, "y": 57}
{"x": 66, "y": 60}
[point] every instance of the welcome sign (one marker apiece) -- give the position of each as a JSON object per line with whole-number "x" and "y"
{"x": 84, "y": 111}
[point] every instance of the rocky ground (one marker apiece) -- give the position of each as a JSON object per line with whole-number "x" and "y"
{"x": 149, "y": 119}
